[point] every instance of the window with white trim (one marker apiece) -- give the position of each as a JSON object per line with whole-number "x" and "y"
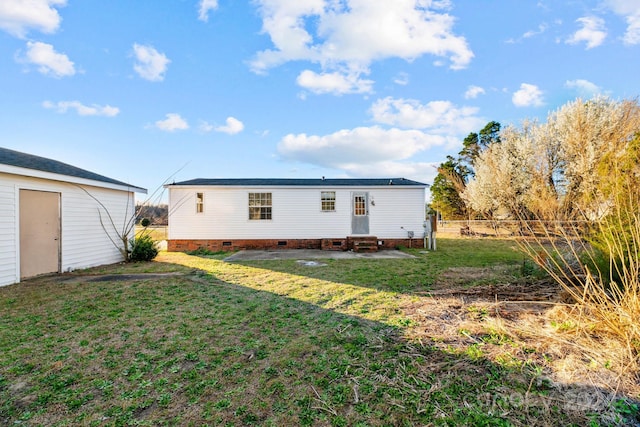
{"x": 199, "y": 202}
{"x": 259, "y": 206}
{"x": 328, "y": 201}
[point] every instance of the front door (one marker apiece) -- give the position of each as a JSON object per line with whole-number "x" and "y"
{"x": 360, "y": 213}
{"x": 39, "y": 233}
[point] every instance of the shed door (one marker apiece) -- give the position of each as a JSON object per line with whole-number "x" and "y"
{"x": 39, "y": 233}
{"x": 360, "y": 213}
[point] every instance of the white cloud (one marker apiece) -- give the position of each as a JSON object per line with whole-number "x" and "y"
{"x": 17, "y": 17}
{"x": 363, "y": 151}
{"x": 340, "y": 35}
{"x": 361, "y": 145}
{"x": 377, "y": 151}
{"x": 150, "y": 64}
{"x": 401, "y": 79}
{"x": 528, "y": 95}
{"x": 205, "y": 126}
{"x": 81, "y": 109}
{"x": 532, "y": 33}
{"x": 204, "y": 6}
{"x": 542, "y": 28}
{"x": 632, "y": 36}
{"x": 420, "y": 171}
{"x": 630, "y": 10}
{"x": 473, "y": 92}
{"x": 172, "y": 123}
{"x": 439, "y": 117}
{"x": 49, "y": 62}
{"x": 593, "y": 32}
{"x": 231, "y": 127}
{"x": 585, "y": 88}
{"x": 335, "y": 83}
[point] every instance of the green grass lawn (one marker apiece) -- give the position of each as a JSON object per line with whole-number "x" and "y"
{"x": 157, "y": 232}
{"x": 259, "y": 343}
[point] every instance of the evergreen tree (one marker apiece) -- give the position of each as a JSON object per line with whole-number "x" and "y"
{"x": 454, "y": 174}
{"x": 446, "y": 189}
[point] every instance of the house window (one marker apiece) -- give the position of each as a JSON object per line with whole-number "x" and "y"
{"x": 360, "y": 205}
{"x": 259, "y": 205}
{"x": 328, "y": 200}
{"x": 199, "y": 202}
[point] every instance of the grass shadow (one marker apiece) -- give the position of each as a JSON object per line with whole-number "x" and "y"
{"x": 200, "y": 349}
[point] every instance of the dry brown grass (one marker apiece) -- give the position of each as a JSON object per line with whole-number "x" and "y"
{"x": 601, "y": 324}
{"x": 534, "y": 327}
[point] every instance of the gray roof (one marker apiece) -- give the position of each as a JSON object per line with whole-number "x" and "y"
{"x": 29, "y": 161}
{"x": 298, "y": 182}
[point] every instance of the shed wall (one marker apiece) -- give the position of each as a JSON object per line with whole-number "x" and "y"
{"x": 84, "y": 241}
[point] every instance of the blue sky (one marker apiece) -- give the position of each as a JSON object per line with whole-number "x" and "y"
{"x": 144, "y": 91}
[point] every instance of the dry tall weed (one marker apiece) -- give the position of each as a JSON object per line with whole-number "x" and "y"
{"x": 605, "y": 309}
{"x": 574, "y": 185}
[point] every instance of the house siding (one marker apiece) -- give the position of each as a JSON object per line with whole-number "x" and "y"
{"x": 297, "y": 216}
{"x": 8, "y": 244}
{"x": 84, "y": 241}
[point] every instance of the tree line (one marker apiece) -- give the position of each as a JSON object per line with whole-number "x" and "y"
{"x": 156, "y": 214}
{"x": 573, "y": 185}
{"x": 567, "y": 168}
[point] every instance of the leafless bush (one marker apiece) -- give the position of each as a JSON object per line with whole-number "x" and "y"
{"x": 573, "y": 184}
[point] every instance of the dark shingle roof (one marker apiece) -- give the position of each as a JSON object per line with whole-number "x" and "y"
{"x": 296, "y": 182}
{"x": 29, "y": 161}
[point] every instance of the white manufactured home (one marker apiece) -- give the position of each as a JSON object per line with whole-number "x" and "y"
{"x": 334, "y": 214}
{"x": 55, "y": 217}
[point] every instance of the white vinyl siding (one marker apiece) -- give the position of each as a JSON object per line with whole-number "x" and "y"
{"x": 85, "y": 225}
{"x": 8, "y": 236}
{"x": 395, "y": 208}
{"x": 84, "y": 240}
{"x": 295, "y": 213}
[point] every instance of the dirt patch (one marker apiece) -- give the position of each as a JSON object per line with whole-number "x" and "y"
{"x": 541, "y": 290}
{"x": 520, "y": 323}
{"x": 461, "y": 314}
{"x": 470, "y": 274}
{"x": 493, "y": 284}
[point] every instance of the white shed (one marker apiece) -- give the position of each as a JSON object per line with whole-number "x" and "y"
{"x": 55, "y": 217}
{"x": 336, "y": 214}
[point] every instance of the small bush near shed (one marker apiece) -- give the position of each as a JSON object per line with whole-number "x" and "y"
{"x": 144, "y": 248}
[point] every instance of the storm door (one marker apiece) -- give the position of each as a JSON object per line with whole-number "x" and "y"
{"x": 360, "y": 213}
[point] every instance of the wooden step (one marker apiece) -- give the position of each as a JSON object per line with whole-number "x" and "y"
{"x": 362, "y": 243}
{"x": 365, "y": 246}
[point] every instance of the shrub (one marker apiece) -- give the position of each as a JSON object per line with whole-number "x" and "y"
{"x": 143, "y": 248}
{"x": 145, "y": 222}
